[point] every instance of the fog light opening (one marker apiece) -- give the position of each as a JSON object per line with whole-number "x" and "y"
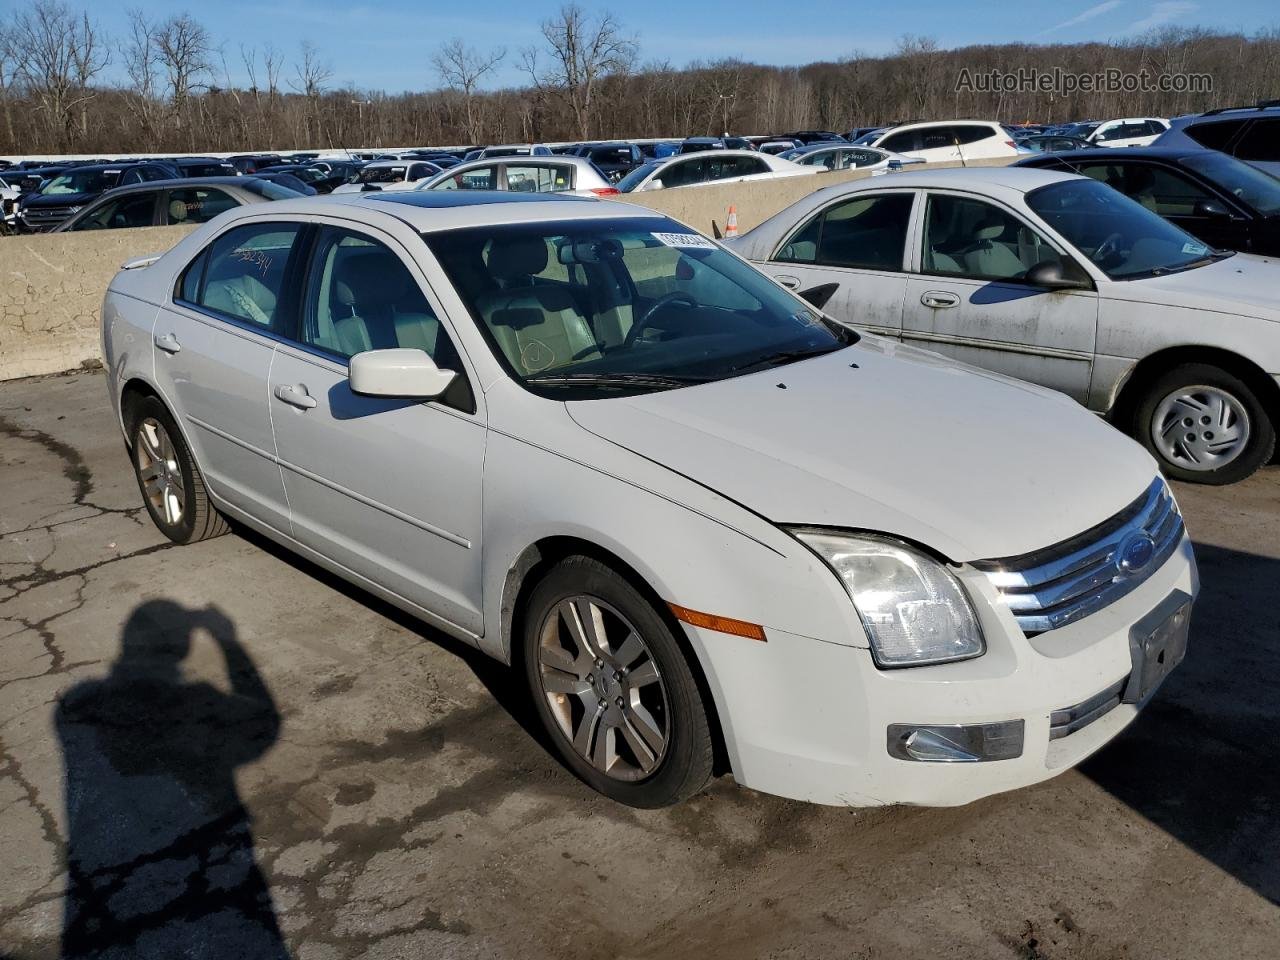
{"x": 956, "y": 743}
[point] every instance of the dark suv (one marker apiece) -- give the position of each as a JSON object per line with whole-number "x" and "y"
{"x": 615, "y": 160}
{"x": 1251, "y": 134}
{"x": 63, "y": 195}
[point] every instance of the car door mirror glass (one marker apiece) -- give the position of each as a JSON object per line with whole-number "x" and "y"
{"x": 1211, "y": 209}
{"x": 397, "y": 372}
{"x": 1052, "y": 275}
{"x": 654, "y": 184}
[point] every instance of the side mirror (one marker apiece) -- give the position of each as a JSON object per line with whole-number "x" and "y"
{"x": 398, "y": 372}
{"x": 1211, "y": 209}
{"x": 654, "y": 184}
{"x": 1051, "y": 275}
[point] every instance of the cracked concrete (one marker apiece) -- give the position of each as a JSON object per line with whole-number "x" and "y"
{"x": 221, "y": 751}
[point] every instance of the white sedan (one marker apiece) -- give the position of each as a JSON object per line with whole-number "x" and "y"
{"x": 709, "y": 166}
{"x": 390, "y": 175}
{"x": 572, "y": 175}
{"x": 845, "y": 156}
{"x": 1059, "y": 280}
{"x": 599, "y": 447}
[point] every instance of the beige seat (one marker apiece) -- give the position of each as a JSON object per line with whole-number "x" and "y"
{"x": 177, "y": 211}
{"x": 538, "y": 327}
{"x": 379, "y": 306}
{"x": 989, "y": 257}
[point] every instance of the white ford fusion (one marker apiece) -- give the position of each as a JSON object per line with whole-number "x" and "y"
{"x": 702, "y": 520}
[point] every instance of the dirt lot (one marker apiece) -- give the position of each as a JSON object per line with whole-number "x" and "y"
{"x": 374, "y": 790}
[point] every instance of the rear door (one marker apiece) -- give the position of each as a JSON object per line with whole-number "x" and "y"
{"x": 858, "y": 244}
{"x": 967, "y": 298}
{"x": 387, "y": 488}
{"x": 213, "y": 352}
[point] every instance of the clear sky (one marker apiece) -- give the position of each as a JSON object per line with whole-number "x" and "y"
{"x": 387, "y": 44}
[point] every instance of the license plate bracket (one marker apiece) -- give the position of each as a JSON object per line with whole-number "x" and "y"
{"x": 1157, "y": 644}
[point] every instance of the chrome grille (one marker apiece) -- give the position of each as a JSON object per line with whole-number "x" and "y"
{"x": 1058, "y": 585}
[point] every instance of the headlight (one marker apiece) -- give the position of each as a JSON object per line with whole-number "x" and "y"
{"x": 914, "y": 610}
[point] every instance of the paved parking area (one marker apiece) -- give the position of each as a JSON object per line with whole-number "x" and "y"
{"x": 374, "y": 790}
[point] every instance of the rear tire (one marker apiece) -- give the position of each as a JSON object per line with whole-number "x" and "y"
{"x": 1204, "y": 425}
{"x": 171, "y": 485}
{"x": 613, "y": 688}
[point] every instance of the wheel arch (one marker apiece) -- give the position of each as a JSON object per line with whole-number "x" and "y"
{"x": 538, "y": 557}
{"x": 1130, "y": 391}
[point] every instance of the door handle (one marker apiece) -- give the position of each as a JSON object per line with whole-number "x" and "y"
{"x": 791, "y": 283}
{"x": 295, "y": 396}
{"x": 939, "y": 299}
{"x": 168, "y": 343}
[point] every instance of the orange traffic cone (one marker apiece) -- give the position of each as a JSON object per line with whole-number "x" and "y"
{"x": 731, "y": 224}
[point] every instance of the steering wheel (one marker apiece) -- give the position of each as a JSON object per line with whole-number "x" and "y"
{"x": 1107, "y": 247}
{"x": 663, "y": 301}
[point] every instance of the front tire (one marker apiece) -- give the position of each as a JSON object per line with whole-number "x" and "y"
{"x": 613, "y": 687}
{"x": 170, "y": 482}
{"x": 1204, "y": 425}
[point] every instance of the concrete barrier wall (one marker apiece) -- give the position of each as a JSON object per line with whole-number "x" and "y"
{"x": 52, "y": 284}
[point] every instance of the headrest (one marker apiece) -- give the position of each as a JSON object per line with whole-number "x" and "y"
{"x": 367, "y": 279}
{"x": 516, "y": 259}
{"x": 177, "y": 211}
{"x": 518, "y": 318}
{"x": 990, "y": 230}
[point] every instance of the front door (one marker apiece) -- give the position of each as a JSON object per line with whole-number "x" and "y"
{"x": 390, "y": 489}
{"x": 967, "y": 297}
{"x": 858, "y": 244}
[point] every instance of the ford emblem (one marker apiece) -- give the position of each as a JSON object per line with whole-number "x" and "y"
{"x": 1136, "y": 552}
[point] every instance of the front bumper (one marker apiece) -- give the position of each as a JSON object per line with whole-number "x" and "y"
{"x": 807, "y": 719}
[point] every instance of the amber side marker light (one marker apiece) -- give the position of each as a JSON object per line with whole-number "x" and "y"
{"x": 709, "y": 621}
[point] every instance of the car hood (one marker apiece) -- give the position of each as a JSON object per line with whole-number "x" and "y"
{"x": 59, "y": 199}
{"x": 1242, "y": 284}
{"x": 889, "y": 438}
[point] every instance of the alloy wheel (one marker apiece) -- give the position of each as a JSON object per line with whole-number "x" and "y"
{"x": 159, "y": 471}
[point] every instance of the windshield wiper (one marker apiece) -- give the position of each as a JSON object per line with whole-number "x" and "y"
{"x": 614, "y": 379}
{"x": 786, "y": 356}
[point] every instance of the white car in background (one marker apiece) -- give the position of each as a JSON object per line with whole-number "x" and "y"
{"x": 1059, "y": 280}
{"x": 592, "y": 443}
{"x": 564, "y": 174}
{"x": 948, "y": 140}
{"x": 844, "y": 156}
{"x": 390, "y": 175}
{"x": 709, "y": 166}
{"x": 1129, "y": 132}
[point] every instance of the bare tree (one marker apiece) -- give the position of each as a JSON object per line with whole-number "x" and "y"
{"x": 141, "y": 57}
{"x": 581, "y": 50}
{"x": 462, "y": 68}
{"x": 56, "y": 56}
{"x": 313, "y": 73}
{"x": 186, "y": 54}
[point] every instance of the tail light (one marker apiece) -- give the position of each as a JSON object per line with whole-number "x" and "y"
{"x": 606, "y": 191}
{"x": 1010, "y": 143}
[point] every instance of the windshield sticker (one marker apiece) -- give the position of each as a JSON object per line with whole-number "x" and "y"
{"x": 684, "y": 241}
{"x": 1194, "y": 249}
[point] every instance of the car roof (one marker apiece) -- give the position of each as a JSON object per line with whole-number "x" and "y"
{"x": 433, "y": 211}
{"x": 994, "y": 179}
{"x": 188, "y": 182}
{"x": 1121, "y": 153}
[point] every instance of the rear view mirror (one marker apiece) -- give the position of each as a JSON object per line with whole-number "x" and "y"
{"x": 1051, "y": 275}
{"x": 397, "y": 372}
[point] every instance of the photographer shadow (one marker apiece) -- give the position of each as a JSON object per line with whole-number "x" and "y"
{"x": 160, "y": 854}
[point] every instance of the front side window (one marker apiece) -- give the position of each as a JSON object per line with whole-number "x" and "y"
{"x": 361, "y": 296}
{"x": 684, "y": 173}
{"x": 480, "y": 178}
{"x": 866, "y": 232}
{"x": 1251, "y": 186}
{"x": 540, "y": 178}
{"x": 132, "y": 210}
{"x": 1155, "y": 187}
{"x": 641, "y": 305}
{"x": 197, "y": 205}
{"x": 381, "y": 175}
{"x": 1122, "y": 238}
{"x": 241, "y": 274}
{"x": 970, "y": 238}
{"x": 902, "y": 142}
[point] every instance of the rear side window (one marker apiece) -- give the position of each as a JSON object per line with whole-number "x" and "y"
{"x": 1214, "y": 136}
{"x": 241, "y": 274}
{"x": 197, "y": 205}
{"x": 869, "y": 233}
{"x": 1260, "y": 142}
{"x": 972, "y": 132}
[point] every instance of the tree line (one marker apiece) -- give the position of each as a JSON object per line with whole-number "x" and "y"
{"x": 172, "y": 87}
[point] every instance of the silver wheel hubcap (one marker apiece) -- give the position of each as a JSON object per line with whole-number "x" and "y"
{"x": 158, "y": 468}
{"x": 1200, "y": 428}
{"x": 603, "y": 688}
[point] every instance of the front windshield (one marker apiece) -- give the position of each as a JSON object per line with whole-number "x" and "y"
{"x": 867, "y": 139}
{"x": 1120, "y": 236}
{"x": 585, "y": 309}
{"x": 1246, "y": 183}
{"x": 265, "y": 188}
{"x": 82, "y": 181}
{"x": 381, "y": 174}
{"x": 636, "y": 176}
